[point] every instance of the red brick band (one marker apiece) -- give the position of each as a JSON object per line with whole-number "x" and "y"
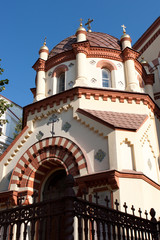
{"x": 42, "y": 158}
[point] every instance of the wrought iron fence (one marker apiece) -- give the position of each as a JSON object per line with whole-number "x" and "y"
{"x": 71, "y": 218}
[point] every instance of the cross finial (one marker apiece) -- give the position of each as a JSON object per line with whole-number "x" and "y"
{"x": 133, "y": 209}
{"x": 124, "y": 28}
{"x": 80, "y": 22}
{"x": 96, "y": 197}
{"x": 125, "y": 207}
{"x": 89, "y": 24}
{"x": 146, "y": 213}
{"x": 140, "y": 212}
{"x": 107, "y": 201}
{"x": 117, "y": 204}
{"x": 45, "y": 41}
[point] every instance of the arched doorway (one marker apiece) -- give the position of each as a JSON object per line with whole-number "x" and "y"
{"x": 55, "y": 185}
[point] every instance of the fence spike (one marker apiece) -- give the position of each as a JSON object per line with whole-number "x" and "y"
{"x": 153, "y": 214}
{"x": 133, "y": 210}
{"x": 117, "y": 204}
{"x": 125, "y": 207}
{"x": 140, "y": 212}
{"x": 146, "y": 214}
{"x": 107, "y": 201}
{"x": 96, "y": 197}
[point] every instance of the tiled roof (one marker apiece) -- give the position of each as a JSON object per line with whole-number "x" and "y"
{"x": 118, "y": 120}
{"x": 96, "y": 39}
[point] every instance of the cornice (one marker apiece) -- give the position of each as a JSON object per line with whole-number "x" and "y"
{"x": 39, "y": 65}
{"x": 95, "y": 93}
{"x": 60, "y": 58}
{"x": 81, "y": 47}
{"x": 111, "y": 178}
{"x": 130, "y": 54}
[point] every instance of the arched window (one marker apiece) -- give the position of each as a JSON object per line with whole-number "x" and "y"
{"x": 106, "y": 79}
{"x": 61, "y": 83}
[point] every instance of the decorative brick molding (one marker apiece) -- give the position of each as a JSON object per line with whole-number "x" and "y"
{"x": 43, "y": 50}
{"x": 44, "y": 156}
{"x": 96, "y": 93}
{"x": 24, "y": 133}
{"x": 81, "y": 32}
{"x": 129, "y": 54}
{"x": 81, "y": 47}
{"x": 111, "y": 179}
{"x": 39, "y": 65}
{"x": 126, "y": 39}
{"x": 60, "y": 58}
{"x": 60, "y": 69}
{"x": 106, "y": 64}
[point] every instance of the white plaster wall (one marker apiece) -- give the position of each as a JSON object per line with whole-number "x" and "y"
{"x": 78, "y": 133}
{"x": 139, "y": 193}
{"x": 126, "y": 157}
{"x": 70, "y": 76}
{"x": 94, "y": 74}
{"x": 149, "y": 161}
{"x": 140, "y": 154}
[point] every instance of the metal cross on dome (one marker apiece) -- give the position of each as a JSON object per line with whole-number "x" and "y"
{"x": 124, "y": 28}
{"x": 89, "y": 24}
{"x": 52, "y": 120}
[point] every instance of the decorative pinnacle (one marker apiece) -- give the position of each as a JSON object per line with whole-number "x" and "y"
{"x": 89, "y": 24}
{"x": 80, "y": 22}
{"x": 124, "y": 28}
{"x": 44, "y": 44}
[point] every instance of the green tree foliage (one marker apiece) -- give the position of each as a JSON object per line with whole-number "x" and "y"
{"x": 4, "y": 105}
{"x": 18, "y": 128}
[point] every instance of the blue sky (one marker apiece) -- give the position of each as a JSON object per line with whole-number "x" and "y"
{"x": 24, "y": 25}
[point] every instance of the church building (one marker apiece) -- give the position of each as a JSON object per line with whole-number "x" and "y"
{"x": 96, "y": 116}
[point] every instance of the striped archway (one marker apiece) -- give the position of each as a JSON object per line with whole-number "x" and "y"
{"x": 41, "y": 158}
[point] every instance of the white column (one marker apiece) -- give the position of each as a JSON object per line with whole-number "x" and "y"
{"x": 40, "y": 90}
{"x": 81, "y": 79}
{"x": 132, "y": 84}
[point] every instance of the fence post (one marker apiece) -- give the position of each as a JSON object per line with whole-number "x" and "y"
{"x": 69, "y": 208}
{"x": 154, "y": 221}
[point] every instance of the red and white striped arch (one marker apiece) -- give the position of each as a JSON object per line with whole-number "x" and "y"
{"x": 42, "y": 158}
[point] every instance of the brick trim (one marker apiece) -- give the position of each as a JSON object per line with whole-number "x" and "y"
{"x": 96, "y": 93}
{"x": 111, "y": 178}
{"x": 81, "y": 31}
{"x": 44, "y": 50}
{"x": 36, "y": 163}
{"x": 60, "y": 69}
{"x": 106, "y": 64}
{"x": 13, "y": 143}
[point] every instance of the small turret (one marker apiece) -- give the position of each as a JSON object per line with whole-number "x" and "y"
{"x": 125, "y": 39}
{"x": 44, "y": 51}
{"x": 40, "y": 86}
{"x": 81, "y": 33}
